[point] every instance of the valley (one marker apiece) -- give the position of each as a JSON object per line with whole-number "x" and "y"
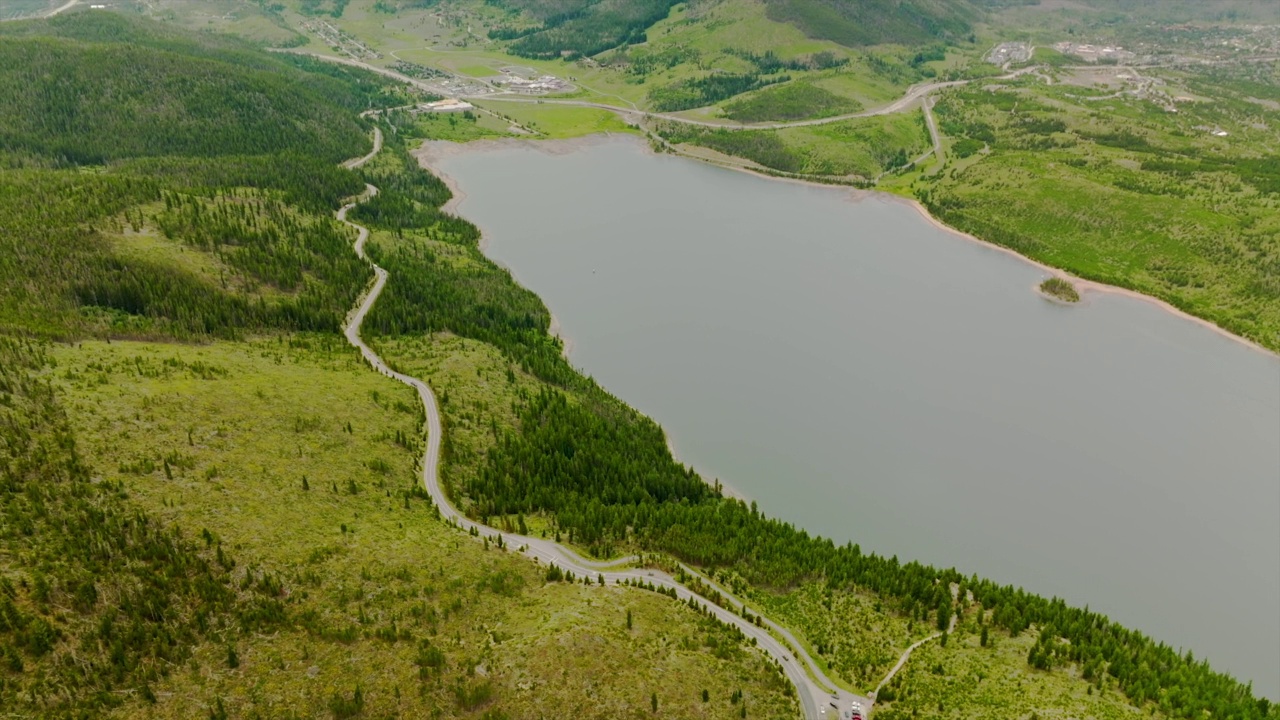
{"x": 227, "y": 493}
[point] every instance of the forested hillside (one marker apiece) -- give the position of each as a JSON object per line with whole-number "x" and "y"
{"x": 197, "y": 140}
{"x": 871, "y": 22}
{"x": 548, "y": 29}
{"x": 202, "y": 219}
{"x": 194, "y": 528}
{"x": 604, "y": 477}
{"x": 117, "y": 132}
{"x": 90, "y": 92}
{"x": 94, "y": 595}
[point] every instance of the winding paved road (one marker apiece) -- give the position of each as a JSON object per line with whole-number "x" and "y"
{"x": 908, "y": 99}
{"x": 818, "y": 695}
{"x": 913, "y": 93}
{"x": 812, "y": 695}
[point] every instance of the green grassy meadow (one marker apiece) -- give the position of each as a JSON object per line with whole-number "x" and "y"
{"x": 301, "y": 463}
{"x": 1125, "y": 192}
{"x": 557, "y": 122}
{"x": 455, "y": 127}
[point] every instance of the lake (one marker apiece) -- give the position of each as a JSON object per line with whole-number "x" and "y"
{"x": 871, "y": 377}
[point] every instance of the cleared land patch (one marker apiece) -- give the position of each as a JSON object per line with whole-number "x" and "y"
{"x": 300, "y": 461}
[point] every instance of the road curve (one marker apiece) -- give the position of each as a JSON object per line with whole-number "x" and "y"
{"x": 62, "y": 8}
{"x": 815, "y": 695}
{"x": 909, "y": 98}
{"x": 912, "y": 94}
{"x": 354, "y": 163}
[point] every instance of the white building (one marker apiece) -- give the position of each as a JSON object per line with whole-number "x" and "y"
{"x": 446, "y": 105}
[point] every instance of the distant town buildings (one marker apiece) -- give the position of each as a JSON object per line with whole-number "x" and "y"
{"x": 534, "y": 86}
{"x": 1095, "y": 53}
{"x": 1009, "y": 52}
{"x": 446, "y": 105}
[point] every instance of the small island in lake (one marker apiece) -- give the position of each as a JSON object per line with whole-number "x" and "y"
{"x": 1059, "y": 289}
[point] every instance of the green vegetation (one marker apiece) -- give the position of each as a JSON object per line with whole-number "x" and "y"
{"x": 262, "y": 23}
{"x": 560, "y": 121}
{"x": 858, "y": 148}
{"x": 454, "y": 127}
{"x": 88, "y": 97}
{"x": 321, "y": 578}
{"x": 194, "y": 530}
{"x": 763, "y": 147}
{"x": 332, "y": 8}
{"x": 367, "y": 589}
{"x": 874, "y": 21}
{"x": 699, "y": 92}
{"x": 792, "y": 101}
{"x": 949, "y": 680}
{"x": 577, "y": 27}
{"x": 1060, "y": 289}
{"x": 117, "y": 601}
{"x": 208, "y": 146}
{"x": 849, "y": 633}
{"x": 543, "y": 29}
{"x": 1122, "y": 191}
{"x": 863, "y": 147}
{"x": 600, "y": 474}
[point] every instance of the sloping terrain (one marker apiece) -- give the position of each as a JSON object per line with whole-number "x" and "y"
{"x": 873, "y": 22}
{"x": 325, "y": 581}
{"x": 547, "y": 29}
{"x": 189, "y": 530}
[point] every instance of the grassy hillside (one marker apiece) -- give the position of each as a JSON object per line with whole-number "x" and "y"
{"x": 94, "y": 594}
{"x": 855, "y": 150}
{"x": 531, "y": 443}
{"x": 320, "y": 580}
{"x": 372, "y": 593}
{"x": 190, "y": 530}
{"x": 665, "y": 56}
{"x": 792, "y": 101}
{"x": 1125, "y": 192}
{"x": 873, "y": 22}
{"x": 543, "y": 28}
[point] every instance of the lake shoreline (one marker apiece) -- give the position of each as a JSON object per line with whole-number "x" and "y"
{"x": 936, "y": 353}
{"x": 1087, "y": 286}
{"x": 1081, "y": 284}
{"x": 432, "y": 150}
{"x": 428, "y": 155}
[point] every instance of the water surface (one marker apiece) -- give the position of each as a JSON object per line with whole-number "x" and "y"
{"x": 873, "y": 378}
